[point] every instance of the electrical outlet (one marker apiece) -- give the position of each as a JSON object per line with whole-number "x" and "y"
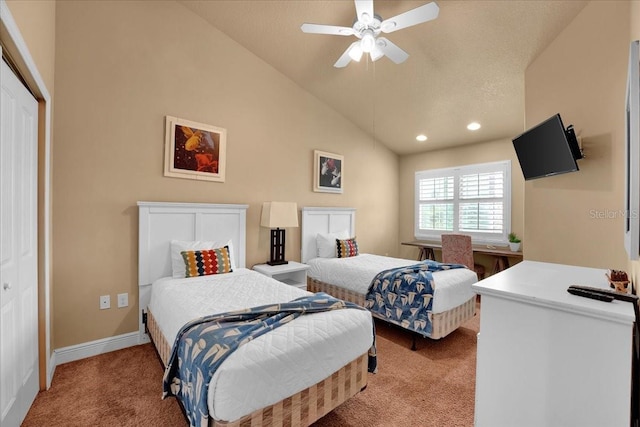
{"x": 123, "y": 300}
{"x": 105, "y": 302}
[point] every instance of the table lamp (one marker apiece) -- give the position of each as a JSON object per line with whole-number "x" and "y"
{"x": 278, "y": 216}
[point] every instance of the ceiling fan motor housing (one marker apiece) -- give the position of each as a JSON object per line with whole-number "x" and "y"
{"x": 373, "y": 25}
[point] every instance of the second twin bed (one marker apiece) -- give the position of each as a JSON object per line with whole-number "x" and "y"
{"x": 449, "y": 304}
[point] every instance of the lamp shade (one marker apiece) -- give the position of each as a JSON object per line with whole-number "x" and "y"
{"x": 355, "y": 52}
{"x": 279, "y": 215}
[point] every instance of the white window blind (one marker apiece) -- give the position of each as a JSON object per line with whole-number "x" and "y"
{"x": 473, "y": 199}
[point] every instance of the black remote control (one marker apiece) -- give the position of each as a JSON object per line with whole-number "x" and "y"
{"x": 590, "y": 294}
{"x": 622, "y": 296}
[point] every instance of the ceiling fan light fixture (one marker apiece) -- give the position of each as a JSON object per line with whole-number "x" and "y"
{"x": 473, "y": 126}
{"x": 421, "y": 138}
{"x": 368, "y": 42}
{"x": 355, "y": 53}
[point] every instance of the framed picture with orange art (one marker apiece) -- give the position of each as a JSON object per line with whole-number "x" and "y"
{"x": 194, "y": 150}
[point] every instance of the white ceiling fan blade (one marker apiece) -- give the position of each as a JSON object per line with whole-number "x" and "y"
{"x": 391, "y": 51}
{"x": 327, "y": 29}
{"x": 344, "y": 60}
{"x": 364, "y": 11}
{"x": 412, "y": 17}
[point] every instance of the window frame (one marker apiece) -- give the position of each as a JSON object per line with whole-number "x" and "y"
{"x": 457, "y": 171}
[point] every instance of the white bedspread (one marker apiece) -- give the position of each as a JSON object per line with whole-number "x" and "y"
{"x": 452, "y": 287}
{"x": 274, "y": 365}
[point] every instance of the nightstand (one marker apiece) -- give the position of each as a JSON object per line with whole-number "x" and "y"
{"x": 293, "y": 273}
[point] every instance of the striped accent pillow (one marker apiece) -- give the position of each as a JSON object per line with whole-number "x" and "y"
{"x": 206, "y": 262}
{"x": 346, "y": 248}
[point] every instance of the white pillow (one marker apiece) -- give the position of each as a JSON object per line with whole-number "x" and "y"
{"x": 177, "y": 246}
{"x": 326, "y": 243}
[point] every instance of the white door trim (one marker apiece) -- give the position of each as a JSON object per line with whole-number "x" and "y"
{"x": 30, "y": 71}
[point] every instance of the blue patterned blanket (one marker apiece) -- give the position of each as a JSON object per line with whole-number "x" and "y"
{"x": 203, "y": 344}
{"x": 404, "y": 295}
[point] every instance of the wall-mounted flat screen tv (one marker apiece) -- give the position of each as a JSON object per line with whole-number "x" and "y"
{"x": 547, "y": 149}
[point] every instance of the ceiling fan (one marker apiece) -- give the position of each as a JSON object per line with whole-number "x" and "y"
{"x": 367, "y": 28}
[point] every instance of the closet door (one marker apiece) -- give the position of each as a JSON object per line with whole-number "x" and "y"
{"x": 18, "y": 249}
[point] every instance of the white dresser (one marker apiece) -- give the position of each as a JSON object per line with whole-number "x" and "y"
{"x": 550, "y": 358}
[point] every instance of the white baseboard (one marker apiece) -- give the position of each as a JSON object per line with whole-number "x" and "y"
{"x": 93, "y": 348}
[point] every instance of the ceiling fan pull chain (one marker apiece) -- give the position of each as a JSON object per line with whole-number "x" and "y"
{"x": 373, "y": 106}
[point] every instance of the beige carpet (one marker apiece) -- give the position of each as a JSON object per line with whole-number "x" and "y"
{"x": 433, "y": 386}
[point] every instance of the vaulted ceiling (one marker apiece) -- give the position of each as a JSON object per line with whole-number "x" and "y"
{"x": 466, "y": 65}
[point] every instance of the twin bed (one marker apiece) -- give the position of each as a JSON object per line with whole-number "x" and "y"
{"x": 293, "y": 375}
{"x": 453, "y": 301}
{"x": 302, "y": 370}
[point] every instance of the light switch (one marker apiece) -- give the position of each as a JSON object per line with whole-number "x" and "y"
{"x": 123, "y": 300}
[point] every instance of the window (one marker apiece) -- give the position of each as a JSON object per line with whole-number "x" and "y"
{"x": 473, "y": 199}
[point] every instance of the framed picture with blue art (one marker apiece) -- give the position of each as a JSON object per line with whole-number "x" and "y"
{"x": 328, "y": 172}
{"x": 194, "y": 150}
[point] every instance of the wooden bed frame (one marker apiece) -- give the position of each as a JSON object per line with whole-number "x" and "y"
{"x": 442, "y": 324}
{"x": 300, "y": 409}
{"x": 333, "y": 220}
{"x": 162, "y": 222}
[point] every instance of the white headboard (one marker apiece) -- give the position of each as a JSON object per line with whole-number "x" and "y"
{"x": 324, "y": 220}
{"x": 161, "y": 222}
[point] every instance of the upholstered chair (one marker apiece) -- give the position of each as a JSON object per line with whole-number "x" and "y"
{"x": 457, "y": 249}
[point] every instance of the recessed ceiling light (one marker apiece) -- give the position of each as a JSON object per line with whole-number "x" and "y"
{"x": 421, "y": 138}
{"x": 473, "y": 126}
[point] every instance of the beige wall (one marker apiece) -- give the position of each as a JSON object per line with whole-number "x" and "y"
{"x": 121, "y": 67}
{"x": 576, "y": 218}
{"x": 36, "y": 20}
{"x": 492, "y": 151}
{"x": 581, "y": 75}
{"x": 635, "y": 20}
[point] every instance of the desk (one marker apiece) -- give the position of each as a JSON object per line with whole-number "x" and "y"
{"x": 501, "y": 255}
